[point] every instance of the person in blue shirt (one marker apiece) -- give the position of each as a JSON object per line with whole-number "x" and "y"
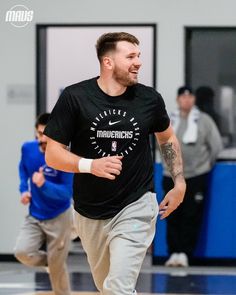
{"x": 48, "y": 192}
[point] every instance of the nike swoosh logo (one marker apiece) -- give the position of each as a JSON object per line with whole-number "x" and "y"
{"x": 113, "y": 123}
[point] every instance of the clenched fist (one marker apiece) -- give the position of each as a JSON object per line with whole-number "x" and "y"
{"x": 38, "y": 177}
{"x": 107, "y": 167}
{"x": 25, "y": 198}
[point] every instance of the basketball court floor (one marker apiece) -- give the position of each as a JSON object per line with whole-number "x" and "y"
{"x": 16, "y": 279}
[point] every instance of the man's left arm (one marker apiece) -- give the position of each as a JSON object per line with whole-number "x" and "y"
{"x": 60, "y": 190}
{"x": 171, "y": 153}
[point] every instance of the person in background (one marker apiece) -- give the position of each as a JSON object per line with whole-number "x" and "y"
{"x": 108, "y": 120}
{"x": 205, "y": 102}
{"x": 200, "y": 144}
{"x": 48, "y": 193}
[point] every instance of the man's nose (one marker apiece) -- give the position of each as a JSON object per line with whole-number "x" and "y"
{"x": 138, "y": 62}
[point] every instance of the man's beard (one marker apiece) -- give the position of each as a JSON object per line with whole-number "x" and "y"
{"x": 123, "y": 77}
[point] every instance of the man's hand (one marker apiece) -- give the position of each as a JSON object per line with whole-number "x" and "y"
{"x": 107, "y": 167}
{"x": 25, "y": 198}
{"x": 38, "y": 177}
{"x": 172, "y": 200}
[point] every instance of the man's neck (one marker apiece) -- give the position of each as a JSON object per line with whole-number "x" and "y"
{"x": 184, "y": 113}
{"x": 111, "y": 87}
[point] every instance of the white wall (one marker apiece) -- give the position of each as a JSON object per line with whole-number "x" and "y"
{"x": 17, "y": 67}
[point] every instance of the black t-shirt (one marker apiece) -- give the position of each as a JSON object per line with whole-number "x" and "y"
{"x": 98, "y": 125}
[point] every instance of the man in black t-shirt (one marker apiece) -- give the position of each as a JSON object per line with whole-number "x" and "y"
{"x": 107, "y": 122}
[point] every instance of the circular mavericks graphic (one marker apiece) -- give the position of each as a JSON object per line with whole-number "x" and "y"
{"x": 108, "y": 136}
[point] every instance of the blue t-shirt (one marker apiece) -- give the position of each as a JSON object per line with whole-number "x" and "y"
{"x": 55, "y": 195}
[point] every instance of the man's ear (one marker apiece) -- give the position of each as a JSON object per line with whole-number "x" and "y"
{"x": 107, "y": 62}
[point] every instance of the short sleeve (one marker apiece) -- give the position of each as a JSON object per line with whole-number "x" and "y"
{"x": 62, "y": 121}
{"x": 160, "y": 118}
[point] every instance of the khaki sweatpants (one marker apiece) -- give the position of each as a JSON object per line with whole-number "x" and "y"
{"x": 116, "y": 247}
{"x": 55, "y": 233}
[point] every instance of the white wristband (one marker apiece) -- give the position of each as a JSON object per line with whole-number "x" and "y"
{"x": 84, "y": 165}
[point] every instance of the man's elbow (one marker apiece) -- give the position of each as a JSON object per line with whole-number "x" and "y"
{"x": 49, "y": 158}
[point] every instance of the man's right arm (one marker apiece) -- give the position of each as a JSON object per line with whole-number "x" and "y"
{"x": 60, "y": 158}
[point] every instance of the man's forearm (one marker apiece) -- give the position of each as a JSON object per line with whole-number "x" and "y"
{"x": 60, "y": 158}
{"x": 171, "y": 154}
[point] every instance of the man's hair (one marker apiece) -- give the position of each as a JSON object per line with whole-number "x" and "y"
{"x": 42, "y": 119}
{"x": 107, "y": 42}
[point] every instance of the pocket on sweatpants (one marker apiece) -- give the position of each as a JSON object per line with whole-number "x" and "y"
{"x": 153, "y": 204}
